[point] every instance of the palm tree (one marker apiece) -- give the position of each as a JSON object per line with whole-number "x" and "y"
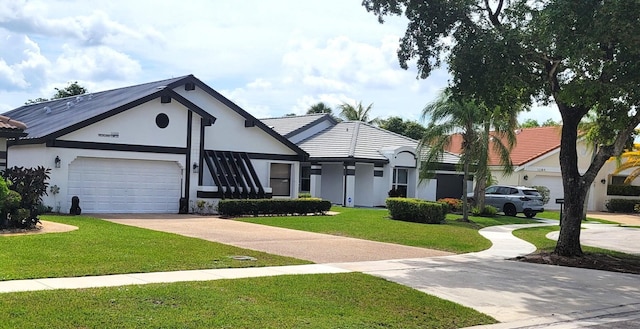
{"x": 499, "y": 136}
{"x": 356, "y": 112}
{"x": 473, "y": 122}
{"x": 319, "y": 108}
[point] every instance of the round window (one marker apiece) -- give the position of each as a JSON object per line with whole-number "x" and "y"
{"x": 162, "y": 120}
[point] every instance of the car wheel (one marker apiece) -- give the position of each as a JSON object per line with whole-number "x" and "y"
{"x": 529, "y": 213}
{"x": 510, "y": 210}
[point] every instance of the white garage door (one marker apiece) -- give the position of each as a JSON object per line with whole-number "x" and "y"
{"x": 125, "y": 186}
{"x": 554, "y": 184}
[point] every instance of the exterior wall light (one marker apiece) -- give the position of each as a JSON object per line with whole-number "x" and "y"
{"x": 57, "y": 161}
{"x": 603, "y": 181}
{"x": 195, "y": 167}
{"x": 525, "y": 177}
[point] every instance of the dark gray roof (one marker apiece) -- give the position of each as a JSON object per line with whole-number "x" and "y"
{"x": 289, "y": 125}
{"x": 354, "y": 139}
{"x": 49, "y": 120}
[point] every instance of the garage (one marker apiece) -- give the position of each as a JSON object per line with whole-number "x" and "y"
{"x": 125, "y": 186}
{"x": 554, "y": 184}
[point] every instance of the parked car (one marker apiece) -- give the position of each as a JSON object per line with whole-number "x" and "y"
{"x": 513, "y": 199}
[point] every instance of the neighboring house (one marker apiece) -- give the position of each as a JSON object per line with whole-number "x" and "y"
{"x": 536, "y": 161}
{"x": 9, "y": 129}
{"x": 356, "y": 164}
{"x": 153, "y": 148}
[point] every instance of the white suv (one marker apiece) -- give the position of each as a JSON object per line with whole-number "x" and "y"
{"x": 513, "y": 199}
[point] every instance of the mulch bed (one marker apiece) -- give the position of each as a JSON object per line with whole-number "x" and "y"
{"x": 589, "y": 260}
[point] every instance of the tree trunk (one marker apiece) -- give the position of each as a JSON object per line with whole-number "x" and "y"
{"x": 465, "y": 203}
{"x": 478, "y": 191}
{"x": 575, "y": 190}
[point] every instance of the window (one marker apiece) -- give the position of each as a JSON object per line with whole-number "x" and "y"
{"x": 280, "y": 179}
{"x": 400, "y": 181}
{"x": 305, "y": 179}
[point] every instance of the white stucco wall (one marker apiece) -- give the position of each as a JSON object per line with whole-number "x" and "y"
{"x": 138, "y": 126}
{"x": 364, "y": 195}
{"x": 229, "y": 133}
{"x": 332, "y": 182}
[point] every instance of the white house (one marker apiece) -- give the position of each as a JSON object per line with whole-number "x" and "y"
{"x": 356, "y": 164}
{"x": 155, "y": 148}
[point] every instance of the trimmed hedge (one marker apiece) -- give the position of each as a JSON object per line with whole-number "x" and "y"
{"x": 416, "y": 210}
{"x": 623, "y": 190}
{"x": 622, "y": 205}
{"x": 280, "y": 207}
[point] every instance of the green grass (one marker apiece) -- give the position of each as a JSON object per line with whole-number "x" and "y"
{"x": 374, "y": 224}
{"x": 100, "y": 247}
{"x": 351, "y": 300}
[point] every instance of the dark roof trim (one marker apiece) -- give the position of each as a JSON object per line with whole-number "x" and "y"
{"x": 116, "y": 147}
{"x": 349, "y": 159}
{"x": 12, "y": 133}
{"x": 188, "y": 104}
{"x": 239, "y": 110}
{"x": 325, "y": 117}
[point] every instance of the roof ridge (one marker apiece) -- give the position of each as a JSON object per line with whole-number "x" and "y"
{"x": 296, "y": 116}
{"x": 354, "y": 138}
{"x": 389, "y": 131}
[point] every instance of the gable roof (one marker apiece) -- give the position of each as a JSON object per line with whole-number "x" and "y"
{"x": 290, "y": 125}
{"x": 54, "y": 118}
{"x": 531, "y": 144}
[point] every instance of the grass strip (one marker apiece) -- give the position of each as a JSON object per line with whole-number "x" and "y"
{"x": 375, "y": 224}
{"x": 350, "y": 300}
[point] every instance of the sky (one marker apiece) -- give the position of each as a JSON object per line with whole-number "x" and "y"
{"x": 271, "y": 57}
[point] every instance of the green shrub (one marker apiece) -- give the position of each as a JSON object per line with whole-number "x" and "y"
{"x": 487, "y": 211}
{"x": 304, "y": 196}
{"x": 255, "y": 207}
{"x": 622, "y": 205}
{"x": 623, "y": 190}
{"x": 416, "y": 210}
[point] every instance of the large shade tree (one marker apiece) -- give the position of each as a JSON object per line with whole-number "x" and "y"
{"x": 398, "y": 125}
{"x": 577, "y": 55}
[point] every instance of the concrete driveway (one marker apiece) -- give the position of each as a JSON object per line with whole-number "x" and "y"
{"x": 315, "y": 247}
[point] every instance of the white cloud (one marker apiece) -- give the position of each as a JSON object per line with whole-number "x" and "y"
{"x": 95, "y": 63}
{"x": 21, "y": 63}
{"x": 96, "y": 28}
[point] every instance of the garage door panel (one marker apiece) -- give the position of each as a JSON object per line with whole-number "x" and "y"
{"x": 125, "y": 186}
{"x": 556, "y": 190}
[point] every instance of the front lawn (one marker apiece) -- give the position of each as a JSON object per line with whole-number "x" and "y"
{"x": 375, "y": 224}
{"x": 350, "y": 300}
{"x": 100, "y": 247}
